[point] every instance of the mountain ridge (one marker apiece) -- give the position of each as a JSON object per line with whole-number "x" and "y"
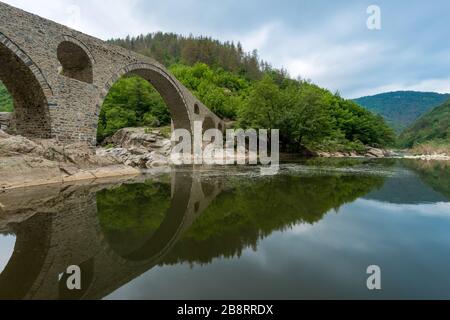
{"x": 402, "y": 108}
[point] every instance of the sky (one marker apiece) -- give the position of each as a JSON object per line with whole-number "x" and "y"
{"x": 325, "y": 41}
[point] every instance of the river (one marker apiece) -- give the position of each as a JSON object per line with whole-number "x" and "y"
{"x": 311, "y": 231}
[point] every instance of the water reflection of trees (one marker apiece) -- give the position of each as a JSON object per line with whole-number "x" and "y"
{"x": 251, "y": 210}
{"x": 129, "y": 215}
{"x": 246, "y": 211}
{"x": 436, "y": 174}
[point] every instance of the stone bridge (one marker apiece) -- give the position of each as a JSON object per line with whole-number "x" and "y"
{"x": 59, "y": 77}
{"x": 58, "y": 226}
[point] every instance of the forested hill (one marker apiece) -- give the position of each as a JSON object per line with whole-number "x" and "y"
{"x": 434, "y": 126}
{"x": 171, "y": 48}
{"x": 402, "y": 108}
{"x": 240, "y": 87}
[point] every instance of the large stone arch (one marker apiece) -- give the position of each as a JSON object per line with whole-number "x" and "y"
{"x": 29, "y": 89}
{"x": 166, "y": 86}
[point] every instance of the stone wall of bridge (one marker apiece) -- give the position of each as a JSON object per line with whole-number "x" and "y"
{"x": 59, "y": 78}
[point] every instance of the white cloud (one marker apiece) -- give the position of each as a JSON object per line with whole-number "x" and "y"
{"x": 100, "y": 18}
{"x": 334, "y": 48}
{"x": 440, "y": 209}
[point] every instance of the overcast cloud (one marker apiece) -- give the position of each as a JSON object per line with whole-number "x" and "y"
{"x": 327, "y": 42}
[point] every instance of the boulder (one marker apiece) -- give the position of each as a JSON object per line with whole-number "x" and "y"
{"x": 139, "y": 148}
{"x": 375, "y": 153}
{"x": 140, "y": 138}
{"x": 11, "y": 145}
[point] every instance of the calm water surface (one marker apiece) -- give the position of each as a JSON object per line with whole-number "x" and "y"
{"x": 309, "y": 232}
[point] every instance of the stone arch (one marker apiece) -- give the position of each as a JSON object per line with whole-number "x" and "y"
{"x": 29, "y": 90}
{"x": 76, "y": 60}
{"x": 166, "y": 86}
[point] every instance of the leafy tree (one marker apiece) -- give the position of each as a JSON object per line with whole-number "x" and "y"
{"x": 6, "y": 102}
{"x": 131, "y": 102}
{"x": 223, "y": 92}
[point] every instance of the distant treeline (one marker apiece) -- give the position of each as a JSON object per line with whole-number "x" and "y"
{"x": 171, "y": 48}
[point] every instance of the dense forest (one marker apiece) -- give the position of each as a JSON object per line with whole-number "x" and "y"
{"x": 402, "y": 108}
{"x": 170, "y": 49}
{"x": 241, "y": 88}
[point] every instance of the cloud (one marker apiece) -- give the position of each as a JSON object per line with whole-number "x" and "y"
{"x": 327, "y": 42}
{"x": 101, "y": 18}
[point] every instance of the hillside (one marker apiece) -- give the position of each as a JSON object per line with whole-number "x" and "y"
{"x": 240, "y": 87}
{"x": 434, "y": 126}
{"x": 6, "y": 104}
{"x": 171, "y": 48}
{"x": 402, "y": 108}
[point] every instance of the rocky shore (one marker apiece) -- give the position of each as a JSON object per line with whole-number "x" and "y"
{"x": 130, "y": 152}
{"x": 25, "y": 162}
{"x": 370, "y": 152}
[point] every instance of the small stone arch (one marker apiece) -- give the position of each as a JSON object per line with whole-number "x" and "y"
{"x": 76, "y": 60}
{"x": 163, "y": 83}
{"x": 196, "y": 109}
{"x": 208, "y": 123}
{"x": 30, "y": 91}
{"x": 75, "y": 63}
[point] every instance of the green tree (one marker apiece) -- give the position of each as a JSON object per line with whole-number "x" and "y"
{"x": 131, "y": 102}
{"x": 6, "y": 101}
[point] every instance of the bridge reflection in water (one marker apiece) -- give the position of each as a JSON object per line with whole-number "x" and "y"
{"x": 57, "y": 227}
{"x": 117, "y": 231}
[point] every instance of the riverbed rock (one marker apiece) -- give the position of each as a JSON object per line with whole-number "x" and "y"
{"x": 13, "y": 145}
{"x": 375, "y": 153}
{"x": 25, "y": 162}
{"x": 139, "y": 139}
{"x": 138, "y": 147}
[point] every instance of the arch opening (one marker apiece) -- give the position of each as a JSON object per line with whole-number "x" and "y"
{"x": 159, "y": 103}
{"x": 28, "y": 112}
{"x": 146, "y": 213}
{"x": 75, "y": 62}
{"x": 208, "y": 123}
{"x": 132, "y": 102}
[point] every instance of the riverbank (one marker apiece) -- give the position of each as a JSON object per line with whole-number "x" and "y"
{"x": 130, "y": 152}
{"x": 26, "y": 163}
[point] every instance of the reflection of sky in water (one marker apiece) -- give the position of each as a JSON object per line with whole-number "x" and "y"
{"x": 6, "y": 249}
{"x": 326, "y": 260}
